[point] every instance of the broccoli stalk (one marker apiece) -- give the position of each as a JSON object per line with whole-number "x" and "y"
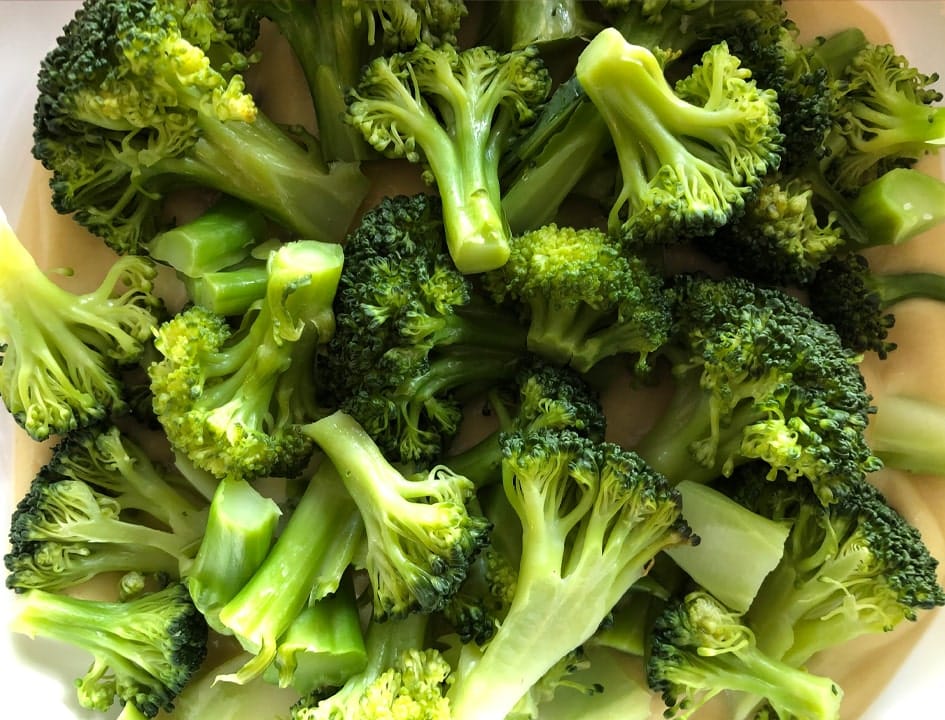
{"x": 700, "y": 649}
{"x": 233, "y": 401}
{"x": 584, "y": 299}
{"x": 144, "y": 650}
{"x": 316, "y": 544}
{"x": 757, "y": 376}
{"x": 241, "y": 524}
{"x": 593, "y": 517}
{"x": 547, "y": 24}
{"x": 904, "y": 433}
{"x": 61, "y": 352}
{"x": 456, "y": 112}
{"x": 689, "y": 154}
{"x": 420, "y": 537}
{"x": 141, "y": 98}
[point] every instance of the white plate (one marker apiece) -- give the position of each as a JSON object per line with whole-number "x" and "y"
{"x": 37, "y": 676}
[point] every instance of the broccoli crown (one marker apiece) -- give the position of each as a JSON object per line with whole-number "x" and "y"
{"x": 140, "y": 98}
{"x": 456, "y": 112}
{"x": 782, "y": 237}
{"x": 593, "y": 516}
{"x": 842, "y": 293}
{"x": 853, "y": 567}
{"x": 554, "y": 397}
{"x": 411, "y": 332}
{"x": 690, "y": 154}
{"x": 144, "y": 650}
{"x": 887, "y": 116}
{"x": 699, "y": 649}
{"x": 233, "y": 401}
{"x": 61, "y": 352}
{"x": 759, "y": 377}
{"x": 583, "y": 298}
{"x": 420, "y": 536}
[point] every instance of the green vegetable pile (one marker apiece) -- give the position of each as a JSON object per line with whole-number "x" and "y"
{"x": 364, "y": 452}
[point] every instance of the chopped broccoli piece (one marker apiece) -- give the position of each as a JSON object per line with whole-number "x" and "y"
{"x": 757, "y": 376}
{"x": 583, "y": 297}
{"x": 140, "y": 98}
{"x": 904, "y": 433}
{"x": 420, "y": 536}
{"x": 61, "y": 352}
{"x": 850, "y": 568}
{"x": 233, "y": 401}
{"x": 700, "y": 649}
{"x": 593, "y": 516}
{"x": 412, "y": 333}
{"x": 144, "y": 650}
{"x": 456, "y": 112}
{"x": 690, "y": 154}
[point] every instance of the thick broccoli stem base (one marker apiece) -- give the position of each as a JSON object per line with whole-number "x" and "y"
{"x": 906, "y": 433}
{"x": 260, "y": 164}
{"x": 278, "y": 591}
{"x": 899, "y": 205}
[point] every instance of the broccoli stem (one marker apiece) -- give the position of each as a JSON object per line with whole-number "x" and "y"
{"x": 279, "y": 590}
{"x": 906, "y": 433}
{"x": 240, "y": 528}
{"x": 222, "y": 236}
{"x": 260, "y": 164}
{"x": 230, "y": 292}
{"x": 899, "y": 205}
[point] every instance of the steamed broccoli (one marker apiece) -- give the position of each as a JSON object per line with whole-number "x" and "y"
{"x": 60, "y": 352}
{"x": 542, "y": 396}
{"x": 420, "y": 537}
{"x": 583, "y": 298}
{"x": 690, "y": 154}
{"x": 144, "y": 650}
{"x": 232, "y": 400}
{"x": 700, "y": 649}
{"x": 334, "y": 39}
{"x": 412, "y": 333}
{"x": 549, "y": 25}
{"x": 757, "y": 376}
{"x": 905, "y": 431}
{"x": 140, "y": 98}
{"x": 456, "y": 112}
{"x": 850, "y": 568}
{"x": 593, "y": 516}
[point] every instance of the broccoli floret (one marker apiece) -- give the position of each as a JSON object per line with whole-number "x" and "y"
{"x": 542, "y": 396}
{"x": 404, "y": 677}
{"x": 850, "y": 568}
{"x": 690, "y": 154}
{"x": 412, "y": 333}
{"x": 904, "y": 434}
{"x": 757, "y": 376}
{"x": 420, "y": 536}
{"x": 101, "y": 505}
{"x": 456, "y": 113}
{"x": 143, "y": 97}
{"x": 144, "y": 650}
{"x": 314, "y": 547}
{"x": 232, "y": 400}
{"x": 61, "y": 353}
{"x": 700, "y": 649}
{"x": 887, "y": 116}
{"x": 583, "y": 297}
{"x": 334, "y": 39}
{"x": 593, "y": 516}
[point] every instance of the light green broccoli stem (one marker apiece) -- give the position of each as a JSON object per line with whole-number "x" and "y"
{"x": 899, "y": 205}
{"x": 323, "y": 647}
{"x": 906, "y": 432}
{"x": 229, "y": 292}
{"x": 279, "y": 590}
{"x": 240, "y": 529}
{"x": 221, "y": 237}
{"x": 737, "y": 548}
{"x": 260, "y": 164}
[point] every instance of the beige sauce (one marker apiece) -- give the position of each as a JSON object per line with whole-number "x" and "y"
{"x": 862, "y": 668}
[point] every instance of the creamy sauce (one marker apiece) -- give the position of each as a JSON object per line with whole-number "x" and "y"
{"x": 862, "y": 668}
